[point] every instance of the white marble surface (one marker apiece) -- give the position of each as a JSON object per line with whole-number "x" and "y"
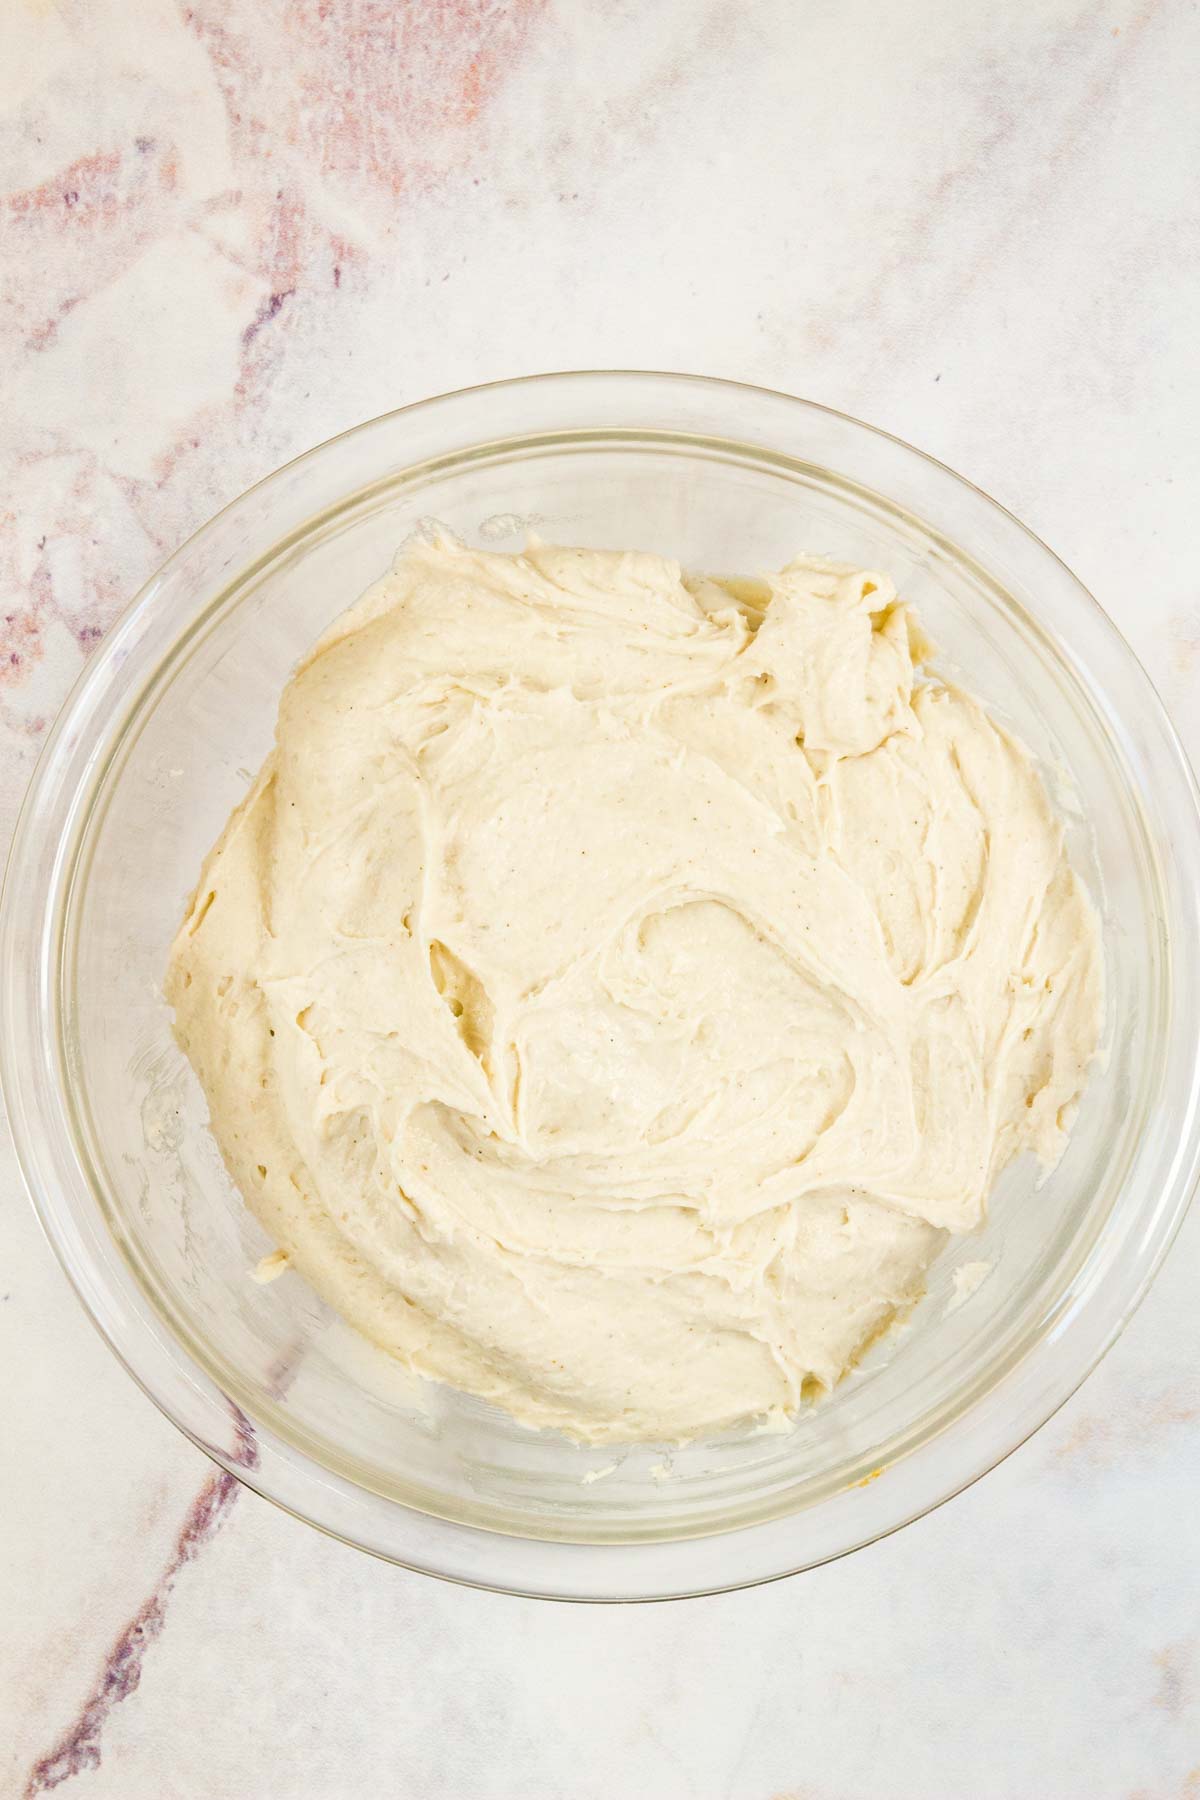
{"x": 233, "y": 227}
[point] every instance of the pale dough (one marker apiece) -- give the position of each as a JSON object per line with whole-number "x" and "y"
{"x": 616, "y": 985}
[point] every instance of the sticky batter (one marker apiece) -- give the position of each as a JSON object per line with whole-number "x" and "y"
{"x": 616, "y": 984}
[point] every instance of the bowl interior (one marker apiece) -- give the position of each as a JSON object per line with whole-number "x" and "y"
{"x": 179, "y": 752}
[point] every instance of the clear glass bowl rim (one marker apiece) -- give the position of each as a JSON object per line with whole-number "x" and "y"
{"x": 71, "y": 1215}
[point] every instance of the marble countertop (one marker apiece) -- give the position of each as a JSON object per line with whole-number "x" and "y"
{"x": 229, "y": 229}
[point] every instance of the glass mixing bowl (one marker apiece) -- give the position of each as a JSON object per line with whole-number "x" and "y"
{"x": 157, "y": 744}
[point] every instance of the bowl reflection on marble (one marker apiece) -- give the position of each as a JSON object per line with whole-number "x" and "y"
{"x": 156, "y": 745}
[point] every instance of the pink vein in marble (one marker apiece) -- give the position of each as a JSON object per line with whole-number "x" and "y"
{"x": 78, "y": 1748}
{"x": 172, "y": 248}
